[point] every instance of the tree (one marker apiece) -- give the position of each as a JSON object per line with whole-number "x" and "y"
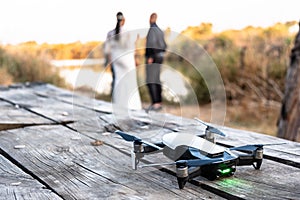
{"x": 289, "y": 119}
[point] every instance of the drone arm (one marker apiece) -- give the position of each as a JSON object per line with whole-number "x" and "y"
{"x": 132, "y": 138}
{"x": 136, "y": 153}
{"x": 251, "y": 158}
{"x": 245, "y": 159}
{"x": 140, "y": 149}
{"x": 153, "y": 148}
{"x": 194, "y": 172}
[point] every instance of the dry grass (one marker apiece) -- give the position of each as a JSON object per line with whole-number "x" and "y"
{"x": 251, "y": 116}
{"x": 23, "y": 67}
{"x": 5, "y": 77}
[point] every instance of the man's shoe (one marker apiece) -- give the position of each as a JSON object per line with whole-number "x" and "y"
{"x": 153, "y": 108}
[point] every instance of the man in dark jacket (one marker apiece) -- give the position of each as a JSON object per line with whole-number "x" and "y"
{"x": 155, "y": 48}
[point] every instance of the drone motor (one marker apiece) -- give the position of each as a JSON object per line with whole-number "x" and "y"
{"x": 182, "y": 174}
{"x": 136, "y": 153}
{"x": 210, "y": 136}
{"x": 258, "y": 158}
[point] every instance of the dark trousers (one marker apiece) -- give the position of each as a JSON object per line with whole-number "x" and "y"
{"x": 155, "y": 92}
{"x": 153, "y": 79}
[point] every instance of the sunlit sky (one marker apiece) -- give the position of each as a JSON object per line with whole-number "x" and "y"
{"x": 64, "y": 21}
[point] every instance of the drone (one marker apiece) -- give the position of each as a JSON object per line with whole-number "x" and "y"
{"x": 196, "y": 155}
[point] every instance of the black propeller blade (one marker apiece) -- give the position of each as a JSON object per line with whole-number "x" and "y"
{"x": 127, "y": 137}
{"x": 246, "y": 148}
{"x": 252, "y": 147}
{"x": 210, "y": 128}
{"x": 132, "y": 138}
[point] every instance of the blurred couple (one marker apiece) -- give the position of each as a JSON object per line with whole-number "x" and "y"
{"x": 119, "y": 52}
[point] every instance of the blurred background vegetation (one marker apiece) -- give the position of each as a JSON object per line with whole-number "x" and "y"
{"x": 18, "y": 66}
{"x": 252, "y": 63}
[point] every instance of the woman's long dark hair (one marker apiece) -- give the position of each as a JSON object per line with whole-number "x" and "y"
{"x": 118, "y": 26}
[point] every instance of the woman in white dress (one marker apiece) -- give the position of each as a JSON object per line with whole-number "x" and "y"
{"x": 120, "y": 45}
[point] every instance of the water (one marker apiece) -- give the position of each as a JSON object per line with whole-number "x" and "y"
{"x": 77, "y": 62}
{"x": 85, "y": 73}
{"x": 91, "y": 73}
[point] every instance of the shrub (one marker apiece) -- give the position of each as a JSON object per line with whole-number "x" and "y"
{"x": 23, "y": 67}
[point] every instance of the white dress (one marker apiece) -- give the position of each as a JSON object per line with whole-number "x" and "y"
{"x": 125, "y": 92}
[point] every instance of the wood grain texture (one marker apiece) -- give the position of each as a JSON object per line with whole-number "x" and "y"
{"x": 77, "y": 170}
{"x": 274, "y": 180}
{"x": 16, "y": 117}
{"x": 60, "y": 155}
{"x": 16, "y": 184}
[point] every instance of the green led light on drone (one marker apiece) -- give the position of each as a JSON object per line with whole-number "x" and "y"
{"x": 225, "y": 171}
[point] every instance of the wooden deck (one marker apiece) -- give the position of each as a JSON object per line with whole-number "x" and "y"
{"x": 47, "y": 152}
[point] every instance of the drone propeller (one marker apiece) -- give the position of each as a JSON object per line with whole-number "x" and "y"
{"x": 127, "y": 137}
{"x": 132, "y": 138}
{"x": 210, "y": 128}
{"x": 256, "y": 156}
{"x": 252, "y": 147}
{"x": 190, "y": 163}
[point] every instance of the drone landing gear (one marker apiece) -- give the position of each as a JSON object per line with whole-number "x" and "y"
{"x": 258, "y": 158}
{"x": 136, "y": 154}
{"x": 140, "y": 150}
{"x": 258, "y": 164}
{"x": 182, "y": 174}
{"x": 255, "y": 158}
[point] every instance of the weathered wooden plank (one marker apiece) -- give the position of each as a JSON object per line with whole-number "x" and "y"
{"x": 151, "y": 127}
{"x": 16, "y": 184}
{"x": 273, "y": 181}
{"x": 61, "y": 104}
{"x": 13, "y": 117}
{"x": 49, "y": 157}
{"x": 288, "y": 153}
{"x": 73, "y": 168}
{"x": 57, "y": 104}
{"x": 48, "y": 108}
{"x": 71, "y": 97}
{"x": 159, "y": 184}
{"x": 267, "y": 179}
